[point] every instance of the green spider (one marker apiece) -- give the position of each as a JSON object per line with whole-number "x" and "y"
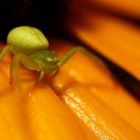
{"x": 30, "y": 48}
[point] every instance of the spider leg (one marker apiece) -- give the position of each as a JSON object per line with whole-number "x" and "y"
{"x": 28, "y": 63}
{"x": 41, "y": 75}
{"x": 68, "y": 55}
{"x": 13, "y": 72}
{"x": 4, "y": 51}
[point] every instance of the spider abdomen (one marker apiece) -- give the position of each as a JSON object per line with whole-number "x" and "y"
{"x": 32, "y": 39}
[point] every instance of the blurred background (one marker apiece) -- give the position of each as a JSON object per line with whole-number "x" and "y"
{"x": 110, "y": 29}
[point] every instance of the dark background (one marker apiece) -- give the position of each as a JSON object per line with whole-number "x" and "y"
{"x": 43, "y": 14}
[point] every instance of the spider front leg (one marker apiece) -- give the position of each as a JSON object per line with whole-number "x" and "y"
{"x": 4, "y": 51}
{"x": 13, "y": 71}
{"x": 68, "y": 55}
{"x": 26, "y": 61}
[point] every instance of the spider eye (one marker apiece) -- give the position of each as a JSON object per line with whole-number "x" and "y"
{"x": 52, "y": 60}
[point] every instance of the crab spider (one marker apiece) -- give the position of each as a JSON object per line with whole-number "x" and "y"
{"x": 30, "y": 48}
